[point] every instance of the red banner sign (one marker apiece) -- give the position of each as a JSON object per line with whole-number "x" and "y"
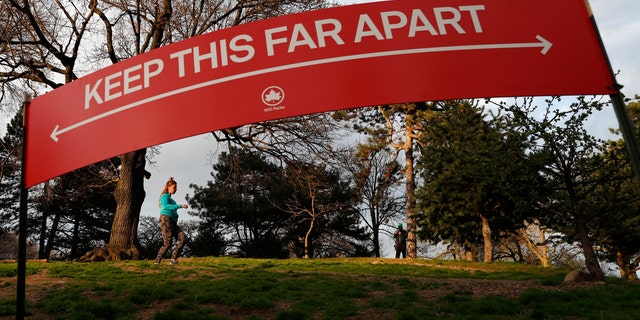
{"x": 331, "y": 59}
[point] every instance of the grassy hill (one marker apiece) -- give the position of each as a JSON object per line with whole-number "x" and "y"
{"x": 346, "y": 288}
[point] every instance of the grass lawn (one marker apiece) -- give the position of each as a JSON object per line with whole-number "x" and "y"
{"x": 345, "y": 288}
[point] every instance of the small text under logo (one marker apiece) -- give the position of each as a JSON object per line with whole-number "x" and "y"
{"x": 272, "y": 97}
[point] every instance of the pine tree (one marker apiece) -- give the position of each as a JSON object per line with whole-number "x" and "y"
{"x": 10, "y": 169}
{"x": 476, "y": 180}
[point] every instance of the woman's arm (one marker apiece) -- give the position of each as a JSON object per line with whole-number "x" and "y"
{"x": 165, "y": 203}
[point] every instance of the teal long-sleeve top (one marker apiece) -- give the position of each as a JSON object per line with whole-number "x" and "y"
{"x": 169, "y": 207}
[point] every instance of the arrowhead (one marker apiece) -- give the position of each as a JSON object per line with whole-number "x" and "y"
{"x": 54, "y": 134}
{"x": 546, "y": 45}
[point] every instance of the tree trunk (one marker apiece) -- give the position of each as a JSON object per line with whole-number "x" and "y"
{"x": 590, "y": 258}
{"x": 623, "y": 265}
{"x": 42, "y": 244}
{"x": 52, "y": 235}
{"x": 412, "y": 249}
{"x": 633, "y": 268}
{"x": 468, "y": 253}
{"x": 486, "y": 236}
{"x": 306, "y": 238}
{"x": 75, "y": 238}
{"x": 375, "y": 227}
{"x": 42, "y": 253}
{"x": 410, "y": 185}
{"x": 129, "y": 195}
{"x": 540, "y": 251}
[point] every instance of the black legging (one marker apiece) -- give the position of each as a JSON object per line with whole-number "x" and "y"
{"x": 170, "y": 230}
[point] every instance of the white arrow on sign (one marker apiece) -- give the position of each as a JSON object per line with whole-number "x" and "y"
{"x": 541, "y": 43}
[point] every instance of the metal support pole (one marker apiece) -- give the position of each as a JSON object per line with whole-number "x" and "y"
{"x": 617, "y": 100}
{"x": 628, "y": 131}
{"x": 22, "y": 228}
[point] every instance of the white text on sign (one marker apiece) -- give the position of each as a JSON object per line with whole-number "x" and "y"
{"x": 441, "y": 21}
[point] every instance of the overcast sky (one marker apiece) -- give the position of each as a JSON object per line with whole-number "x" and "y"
{"x": 189, "y": 160}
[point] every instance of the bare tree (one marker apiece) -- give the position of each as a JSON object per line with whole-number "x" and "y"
{"x": 40, "y": 45}
{"x": 377, "y": 177}
{"x": 291, "y": 139}
{"x": 133, "y": 27}
{"x": 400, "y": 126}
{"x": 317, "y": 193}
{"x": 42, "y": 42}
{"x": 533, "y": 236}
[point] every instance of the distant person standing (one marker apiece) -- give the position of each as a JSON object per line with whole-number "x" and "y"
{"x": 400, "y": 237}
{"x": 169, "y": 223}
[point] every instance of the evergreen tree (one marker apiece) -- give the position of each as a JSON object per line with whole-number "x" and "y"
{"x": 616, "y": 203}
{"x": 10, "y": 169}
{"x": 237, "y": 204}
{"x": 476, "y": 179}
{"x": 76, "y": 211}
{"x": 567, "y": 151}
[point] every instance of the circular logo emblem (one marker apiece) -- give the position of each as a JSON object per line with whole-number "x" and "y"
{"x": 272, "y": 96}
